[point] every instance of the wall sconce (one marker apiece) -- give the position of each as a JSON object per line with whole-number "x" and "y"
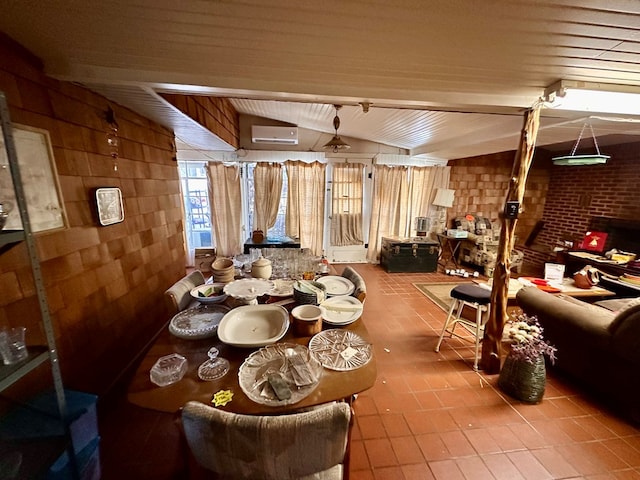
{"x": 593, "y": 97}
{"x": 443, "y": 200}
{"x": 112, "y": 137}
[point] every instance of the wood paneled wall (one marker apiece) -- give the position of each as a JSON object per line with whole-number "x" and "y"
{"x": 104, "y": 284}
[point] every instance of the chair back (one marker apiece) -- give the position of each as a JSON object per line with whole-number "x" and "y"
{"x": 178, "y": 296}
{"x": 269, "y": 447}
{"x": 360, "y": 291}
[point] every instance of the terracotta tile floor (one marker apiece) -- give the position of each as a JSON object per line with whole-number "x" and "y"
{"x": 429, "y": 416}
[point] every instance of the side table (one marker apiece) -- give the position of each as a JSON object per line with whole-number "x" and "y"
{"x": 449, "y": 247}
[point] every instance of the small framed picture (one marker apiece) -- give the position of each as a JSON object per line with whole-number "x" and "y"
{"x": 109, "y": 202}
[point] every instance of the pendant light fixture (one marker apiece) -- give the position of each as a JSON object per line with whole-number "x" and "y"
{"x": 336, "y": 143}
{"x": 573, "y": 159}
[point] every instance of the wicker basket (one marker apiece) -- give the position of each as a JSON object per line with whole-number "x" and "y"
{"x": 304, "y": 298}
{"x": 523, "y": 380}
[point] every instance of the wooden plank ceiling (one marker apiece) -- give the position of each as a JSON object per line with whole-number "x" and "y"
{"x": 445, "y": 79}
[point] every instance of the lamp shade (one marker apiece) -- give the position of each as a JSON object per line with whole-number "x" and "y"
{"x": 444, "y": 198}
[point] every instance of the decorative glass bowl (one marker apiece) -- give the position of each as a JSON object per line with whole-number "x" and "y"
{"x": 168, "y": 370}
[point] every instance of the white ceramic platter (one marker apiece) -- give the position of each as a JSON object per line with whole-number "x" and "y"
{"x": 336, "y": 285}
{"x": 276, "y": 359}
{"x": 209, "y": 293}
{"x": 198, "y": 322}
{"x": 248, "y": 288}
{"x": 254, "y": 325}
{"x": 340, "y": 350}
{"x": 341, "y": 310}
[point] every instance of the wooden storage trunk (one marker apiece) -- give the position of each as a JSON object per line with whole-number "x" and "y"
{"x": 416, "y": 254}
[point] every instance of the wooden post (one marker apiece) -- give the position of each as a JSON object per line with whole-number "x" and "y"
{"x": 492, "y": 341}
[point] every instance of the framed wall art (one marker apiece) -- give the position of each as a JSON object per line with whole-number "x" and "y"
{"x": 39, "y": 180}
{"x": 109, "y": 203}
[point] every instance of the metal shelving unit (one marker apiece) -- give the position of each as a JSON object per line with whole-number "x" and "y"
{"x": 38, "y": 355}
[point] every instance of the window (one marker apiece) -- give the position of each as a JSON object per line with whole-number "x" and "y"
{"x": 277, "y": 231}
{"x": 197, "y": 209}
{"x": 196, "y": 205}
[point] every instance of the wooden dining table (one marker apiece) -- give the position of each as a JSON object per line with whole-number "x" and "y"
{"x": 333, "y": 385}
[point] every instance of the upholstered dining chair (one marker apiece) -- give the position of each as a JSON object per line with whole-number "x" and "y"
{"x": 178, "y": 296}
{"x": 308, "y": 445}
{"x": 360, "y": 291}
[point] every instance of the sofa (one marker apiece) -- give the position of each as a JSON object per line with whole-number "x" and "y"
{"x": 597, "y": 346}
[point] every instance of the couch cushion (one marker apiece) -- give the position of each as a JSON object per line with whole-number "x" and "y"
{"x": 614, "y": 304}
{"x": 631, "y": 308}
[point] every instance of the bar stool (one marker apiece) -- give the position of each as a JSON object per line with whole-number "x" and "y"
{"x": 473, "y": 297}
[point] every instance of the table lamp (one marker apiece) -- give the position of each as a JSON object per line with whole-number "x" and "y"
{"x": 443, "y": 200}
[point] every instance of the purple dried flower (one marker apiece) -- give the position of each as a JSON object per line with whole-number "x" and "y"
{"x": 527, "y": 340}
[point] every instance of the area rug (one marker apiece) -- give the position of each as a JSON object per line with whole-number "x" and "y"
{"x": 438, "y": 293}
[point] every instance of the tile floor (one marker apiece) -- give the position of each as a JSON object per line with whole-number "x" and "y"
{"x": 429, "y": 416}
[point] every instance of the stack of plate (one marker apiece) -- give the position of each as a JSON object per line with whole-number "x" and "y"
{"x": 308, "y": 292}
{"x": 223, "y": 270}
{"x": 341, "y": 310}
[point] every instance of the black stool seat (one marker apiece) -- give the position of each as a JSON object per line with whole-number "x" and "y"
{"x": 471, "y": 293}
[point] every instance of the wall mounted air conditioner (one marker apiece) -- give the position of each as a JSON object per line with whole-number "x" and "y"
{"x": 278, "y": 135}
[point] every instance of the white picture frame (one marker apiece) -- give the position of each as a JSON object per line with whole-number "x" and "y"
{"x": 39, "y": 180}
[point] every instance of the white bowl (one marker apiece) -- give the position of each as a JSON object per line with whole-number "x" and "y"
{"x": 254, "y": 325}
{"x": 205, "y": 293}
{"x": 307, "y": 313}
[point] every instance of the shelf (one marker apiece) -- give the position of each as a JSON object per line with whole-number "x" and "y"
{"x": 8, "y": 238}
{"x": 9, "y": 374}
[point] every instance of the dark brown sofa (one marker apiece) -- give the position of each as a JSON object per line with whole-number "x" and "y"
{"x": 596, "y": 346}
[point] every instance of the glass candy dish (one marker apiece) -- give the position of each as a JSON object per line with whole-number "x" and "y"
{"x": 214, "y": 368}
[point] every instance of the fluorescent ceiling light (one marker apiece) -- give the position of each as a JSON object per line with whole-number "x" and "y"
{"x": 594, "y": 97}
{"x": 580, "y": 159}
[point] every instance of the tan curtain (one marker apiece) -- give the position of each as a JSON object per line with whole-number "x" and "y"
{"x": 304, "y": 218}
{"x": 267, "y": 178}
{"x": 226, "y": 208}
{"x": 346, "y": 204}
{"x": 422, "y": 189}
{"x": 390, "y": 191}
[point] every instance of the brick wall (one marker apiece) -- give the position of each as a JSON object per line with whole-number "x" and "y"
{"x": 578, "y": 193}
{"x": 564, "y": 198}
{"x": 481, "y": 185}
{"x": 104, "y": 284}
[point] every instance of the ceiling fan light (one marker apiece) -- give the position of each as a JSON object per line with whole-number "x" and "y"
{"x": 336, "y": 143}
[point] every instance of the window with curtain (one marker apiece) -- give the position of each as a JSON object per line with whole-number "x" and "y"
{"x": 278, "y": 229}
{"x": 226, "y": 201}
{"x": 399, "y": 195}
{"x": 346, "y": 204}
{"x": 193, "y": 181}
{"x": 305, "y": 203}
